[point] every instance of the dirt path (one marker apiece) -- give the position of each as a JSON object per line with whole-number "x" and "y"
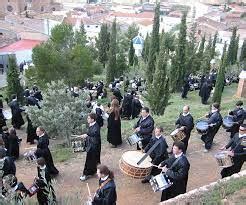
{"x": 130, "y": 191}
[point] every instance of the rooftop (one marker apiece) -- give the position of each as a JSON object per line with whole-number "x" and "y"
{"x": 20, "y": 46}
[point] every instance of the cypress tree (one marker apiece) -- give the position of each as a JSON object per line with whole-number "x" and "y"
{"x": 214, "y": 45}
{"x": 236, "y": 49}
{"x": 110, "y": 71}
{"x": 14, "y": 86}
{"x": 205, "y": 61}
{"x": 102, "y": 44}
{"x": 145, "y": 52}
{"x": 158, "y": 92}
{"x": 231, "y": 49}
{"x": 131, "y": 54}
{"x": 121, "y": 64}
{"x": 219, "y": 86}
{"x": 154, "y": 45}
{"x": 178, "y": 71}
{"x": 243, "y": 52}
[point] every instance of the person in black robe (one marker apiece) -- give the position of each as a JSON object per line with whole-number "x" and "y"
{"x": 13, "y": 144}
{"x": 185, "y": 88}
{"x": 2, "y": 120}
{"x": 185, "y": 123}
{"x": 238, "y": 117}
{"x": 127, "y": 105}
{"x": 7, "y": 166}
{"x": 32, "y": 101}
{"x": 31, "y": 131}
{"x": 214, "y": 122}
{"x": 144, "y": 127}
{"x": 16, "y": 190}
{"x": 237, "y": 151}
{"x": 117, "y": 94}
{"x": 5, "y": 137}
{"x": 46, "y": 194}
{"x": 176, "y": 168}
{"x": 106, "y": 193}
{"x": 202, "y": 80}
{"x": 99, "y": 113}
{"x": 204, "y": 93}
{"x": 44, "y": 151}
{"x": 136, "y": 107}
{"x": 114, "y": 124}
{"x": 93, "y": 147}
{"x": 17, "y": 120}
{"x": 159, "y": 154}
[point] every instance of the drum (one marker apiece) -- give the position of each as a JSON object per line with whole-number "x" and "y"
{"x": 33, "y": 189}
{"x": 223, "y": 159}
{"x": 202, "y": 127}
{"x": 128, "y": 165}
{"x": 177, "y": 135}
{"x": 78, "y": 144}
{"x": 132, "y": 140}
{"x": 228, "y": 122}
{"x": 160, "y": 182}
{"x": 30, "y": 155}
{"x": 7, "y": 114}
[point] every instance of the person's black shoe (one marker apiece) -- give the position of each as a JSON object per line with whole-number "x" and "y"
{"x": 144, "y": 181}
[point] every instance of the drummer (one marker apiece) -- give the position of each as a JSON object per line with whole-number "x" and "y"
{"x": 214, "y": 122}
{"x": 237, "y": 152}
{"x": 176, "y": 168}
{"x": 238, "y": 117}
{"x": 144, "y": 127}
{"x": 159, "y": 154}
{"x": 185, "y": 123}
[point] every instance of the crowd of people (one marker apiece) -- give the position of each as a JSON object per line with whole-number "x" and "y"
{"x": 172, "y": 164}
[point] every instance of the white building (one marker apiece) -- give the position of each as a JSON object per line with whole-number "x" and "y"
{"x": 138, "y": 44}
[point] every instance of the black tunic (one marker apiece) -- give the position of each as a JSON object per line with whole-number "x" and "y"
{"x": 205, "y": 92}
{"x": 239, "y": 156}
{"x": 178, "y": 174}
{"x": 114, "y": 130}
{"x": 17, "y": 120}
{"x": 93, "y": 149}
{"x": 127, "y": 106}
{"x": 187, "y": 122}
{"x": 105, "y": 195}
{"x": 146, "y": 128}
{"x": 136, "y": 108}
{"x": 2, "y": 120}
{"x": 46, "y": 194}
{"x": 31, "y": 131}
{"x": 238, "y": 117}
{"x": 44, "y": 151}
{"x": 214, "y": 118}
{"x": 7, "y": 166}
{"x": 13, "y": 146}
{"x": 158, "y": 155}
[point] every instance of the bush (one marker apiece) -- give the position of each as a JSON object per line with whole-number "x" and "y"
{"x": 61, "y": 113}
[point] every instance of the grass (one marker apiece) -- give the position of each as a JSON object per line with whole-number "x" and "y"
{"x": 224, "y": 190}
{"x": 61, "y": 153}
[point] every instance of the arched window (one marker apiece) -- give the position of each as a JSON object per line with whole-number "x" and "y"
{"x": 10, "y": 8}
{"x": 42, "y": 9}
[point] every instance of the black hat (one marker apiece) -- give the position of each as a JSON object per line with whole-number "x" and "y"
{"x": 239, "y": 103}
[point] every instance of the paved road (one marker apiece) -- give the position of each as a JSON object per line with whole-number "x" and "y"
{"x": 3, "y": 81}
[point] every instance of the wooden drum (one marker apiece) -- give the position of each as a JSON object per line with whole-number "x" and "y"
{"x": 223, "y": 159}
{"x": 128, "y": 165}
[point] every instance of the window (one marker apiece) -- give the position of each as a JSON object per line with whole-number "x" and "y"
{"x": 42, "y": 9}
{"x": 53, "y": 9}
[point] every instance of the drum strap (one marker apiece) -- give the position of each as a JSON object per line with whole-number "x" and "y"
{"x": 148, "y": 153}
{"x": 175, "y": 162}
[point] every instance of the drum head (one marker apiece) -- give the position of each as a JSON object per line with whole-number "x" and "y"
{"x": 202, "y": 125}
{"x": 221, "y": 154}
{"x": 228, "y": 121}
{"x": 174, "y": 132}
{"x": 132, "y": 157}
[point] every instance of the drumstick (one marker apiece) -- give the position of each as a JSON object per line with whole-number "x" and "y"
{"x": 156, "y": 166}
{"x": 89, "y": 191}
{"x": 75, "y": 135}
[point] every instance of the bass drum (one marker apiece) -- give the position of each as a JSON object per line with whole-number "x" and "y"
{"x": 128, "y": 164}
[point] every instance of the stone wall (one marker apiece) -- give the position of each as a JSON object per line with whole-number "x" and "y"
{"x": 193, "y": 196}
